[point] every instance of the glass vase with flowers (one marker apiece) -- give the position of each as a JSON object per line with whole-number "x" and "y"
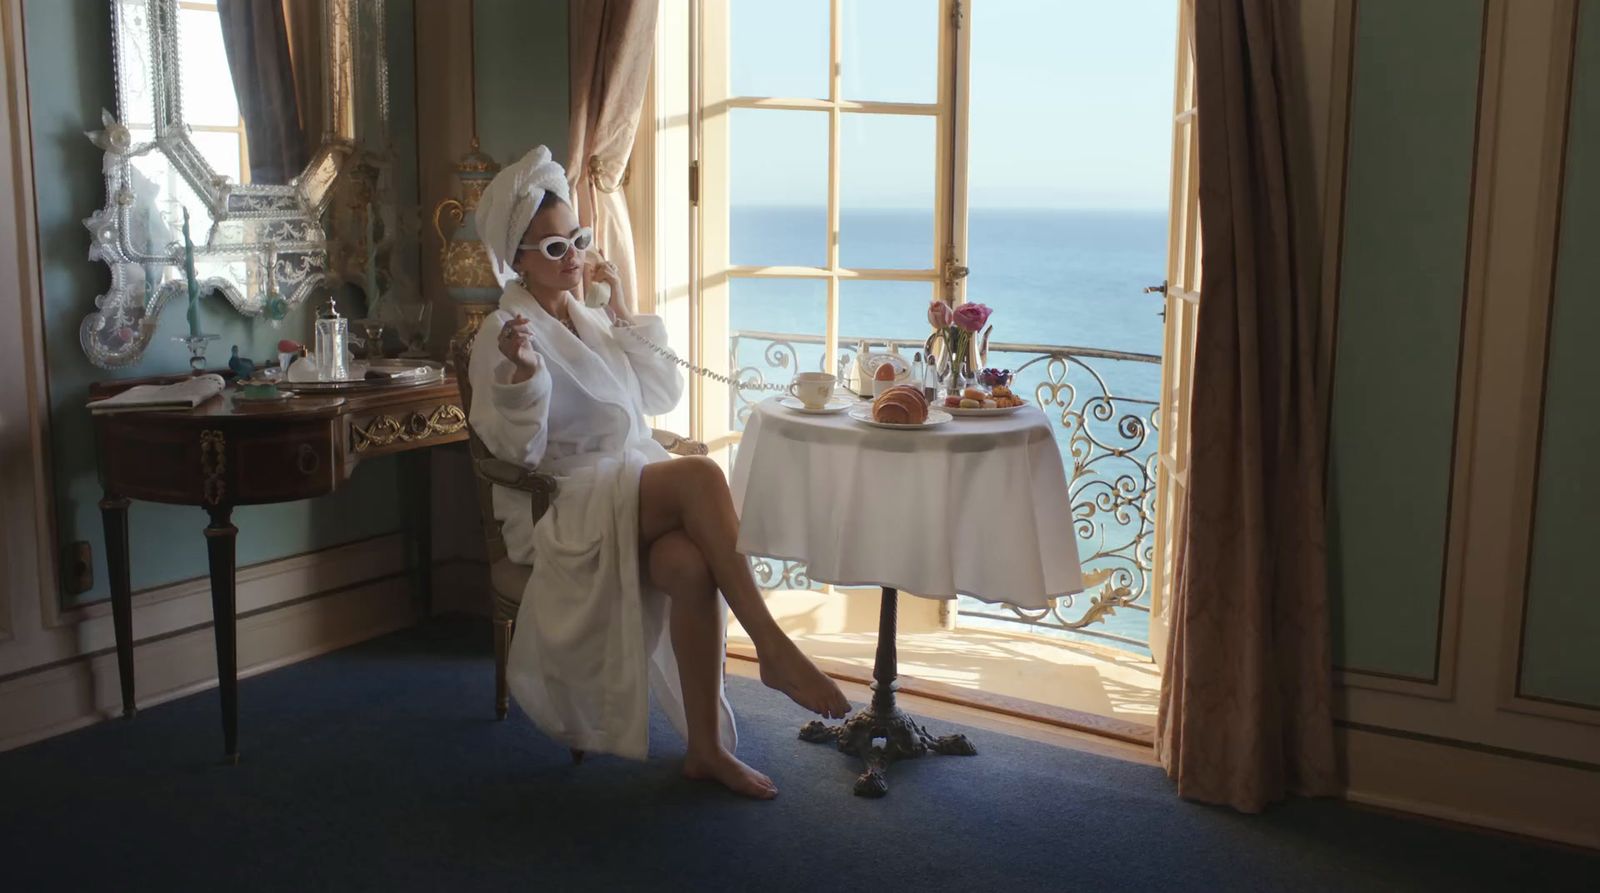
{"x": 956, "y": 337}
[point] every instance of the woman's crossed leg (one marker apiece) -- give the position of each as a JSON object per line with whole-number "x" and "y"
{"x": 688, "y": 531}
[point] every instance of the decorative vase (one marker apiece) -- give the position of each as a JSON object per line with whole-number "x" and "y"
{"x": 468, "y": 276}
{"x": 961, "y": 373}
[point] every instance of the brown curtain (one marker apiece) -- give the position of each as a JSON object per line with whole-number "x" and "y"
{"x": 255, "y": 37}
{"x": 612, "y": 47}
{"x": 1245, "y": 700}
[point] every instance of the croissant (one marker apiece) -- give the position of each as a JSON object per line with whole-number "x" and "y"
{"x": 901, "y": 405}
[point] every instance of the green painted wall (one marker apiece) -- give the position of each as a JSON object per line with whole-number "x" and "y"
{"x": 1561, "y": 638}
{"x": 521, "y": 48}
{"x": 68, "y": 46}
{"x": 1412, "y": 118}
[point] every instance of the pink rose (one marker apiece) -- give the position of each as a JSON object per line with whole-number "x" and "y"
{"x": 971, "y": 317}
{"x": 939, "y": 315}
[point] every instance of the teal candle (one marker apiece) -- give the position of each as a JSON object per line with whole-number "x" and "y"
{"x": 372, "y": 266}
{"x": 193, "y": 282}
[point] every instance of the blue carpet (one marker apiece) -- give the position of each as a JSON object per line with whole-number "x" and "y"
{"x": 381, "y": 767}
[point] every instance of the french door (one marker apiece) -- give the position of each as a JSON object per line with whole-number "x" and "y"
{"x": 830, "y": 196}
{"x": 1182, "y": 308}
{"x": 858, "y": 228}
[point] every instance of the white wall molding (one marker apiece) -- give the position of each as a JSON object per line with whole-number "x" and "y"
{"x": 178, "y": 606}
{"x": 1531, "y": 797}
{"x": 85, "y": 690}
{"x": 27, "y": 562}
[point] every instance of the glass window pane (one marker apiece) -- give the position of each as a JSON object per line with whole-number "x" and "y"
{"x": 886, "y": 191}
{"x": 879, "y": 311}
{"x": 778, "y": 49}
{"x": 1067, "y": 237}
{"x": 208, "y": 96}
{"x": 890, "y": 50}
{"x": 778, "y": 189}
{"x": 775, "y": 328}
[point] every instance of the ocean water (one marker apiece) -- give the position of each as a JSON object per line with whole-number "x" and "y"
{"x": 1055, "y": 278}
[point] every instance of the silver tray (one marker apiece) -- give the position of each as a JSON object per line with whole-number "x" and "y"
{"x": 434, "y": 375}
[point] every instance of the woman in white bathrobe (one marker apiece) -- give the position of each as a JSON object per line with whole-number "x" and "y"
{"x": 630, "y": 559}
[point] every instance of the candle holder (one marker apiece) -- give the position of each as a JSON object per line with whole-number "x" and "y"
{"x": 197, "y": 350}
{"x": 371, "y": 337}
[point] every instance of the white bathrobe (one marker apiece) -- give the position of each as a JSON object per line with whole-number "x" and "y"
{"x": 591, "y": 638}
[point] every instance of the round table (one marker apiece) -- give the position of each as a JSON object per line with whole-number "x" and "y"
{"x": 976, "y": 506}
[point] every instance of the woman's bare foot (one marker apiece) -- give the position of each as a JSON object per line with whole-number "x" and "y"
{"x": 785, "y": 669}
{"x": 721, "y": 766}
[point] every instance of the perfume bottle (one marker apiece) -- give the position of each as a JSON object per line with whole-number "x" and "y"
{"x": 332, "y": 335}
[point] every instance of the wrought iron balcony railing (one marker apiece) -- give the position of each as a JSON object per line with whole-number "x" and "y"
{"x": 1105, "y": 403}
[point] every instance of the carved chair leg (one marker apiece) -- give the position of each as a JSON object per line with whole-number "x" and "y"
{"x": 502, "y": 648}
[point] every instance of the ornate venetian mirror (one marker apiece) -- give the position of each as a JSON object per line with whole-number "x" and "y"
{"x": 245, "y": 114}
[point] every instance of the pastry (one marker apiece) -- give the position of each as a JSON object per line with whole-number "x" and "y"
{"x": 901, "y": 405}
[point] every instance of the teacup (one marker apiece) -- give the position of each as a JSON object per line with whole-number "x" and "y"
{"x": 812, "y": 388}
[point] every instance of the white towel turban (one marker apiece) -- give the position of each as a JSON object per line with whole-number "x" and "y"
{"x": 508, "y": 206}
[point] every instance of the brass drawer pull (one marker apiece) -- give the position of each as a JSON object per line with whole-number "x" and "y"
{"x": 309, "y": 460}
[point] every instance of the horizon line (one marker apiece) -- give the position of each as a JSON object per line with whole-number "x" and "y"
{"x": 1092, "y": 208}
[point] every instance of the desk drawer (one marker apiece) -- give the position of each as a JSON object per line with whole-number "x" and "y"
{"x": 291, "y": 463}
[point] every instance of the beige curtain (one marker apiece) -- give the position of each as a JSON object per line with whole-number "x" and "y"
{"x": 1245, "y": 700}
{"x": 612, "y": 47}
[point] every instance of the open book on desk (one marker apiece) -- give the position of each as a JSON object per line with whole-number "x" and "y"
{"x": 185, "y": 394}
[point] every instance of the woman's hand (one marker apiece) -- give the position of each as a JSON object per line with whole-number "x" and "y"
{"x": 605, "y": 271}
{"x": 516, "y": 345}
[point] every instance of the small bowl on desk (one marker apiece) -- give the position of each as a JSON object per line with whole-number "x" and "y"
{"x": 257, "y": 390}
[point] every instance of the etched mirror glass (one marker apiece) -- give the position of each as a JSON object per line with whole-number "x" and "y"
{"x": 240, "y": 113}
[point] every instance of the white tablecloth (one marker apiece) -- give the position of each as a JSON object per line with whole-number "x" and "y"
{"x": 974, "y": 507}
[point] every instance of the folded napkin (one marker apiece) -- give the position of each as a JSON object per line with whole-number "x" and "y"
{"x": 186, "y": 394}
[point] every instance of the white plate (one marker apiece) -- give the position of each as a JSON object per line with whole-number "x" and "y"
{"x": 863, "y": 413}
{"x": 836, "y": 404}
{"x": 980, "y": 413}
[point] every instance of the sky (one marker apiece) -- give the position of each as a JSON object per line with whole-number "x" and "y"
{"x": 1071, "y": 103}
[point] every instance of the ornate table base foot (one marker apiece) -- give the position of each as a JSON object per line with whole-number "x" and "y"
{"x": 903, "y": 739}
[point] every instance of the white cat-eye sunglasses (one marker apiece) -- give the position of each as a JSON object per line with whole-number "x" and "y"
{"x": 556, "y": 247}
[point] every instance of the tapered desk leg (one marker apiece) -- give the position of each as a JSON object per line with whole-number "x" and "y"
{"x": 114, "y": 517}
{"x": 417, "y": 466}
{"x": 220, "y": 537}
{"x": 903, "y": 737}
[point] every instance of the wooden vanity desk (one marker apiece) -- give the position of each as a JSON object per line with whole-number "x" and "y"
{"x": 227, "y": 452}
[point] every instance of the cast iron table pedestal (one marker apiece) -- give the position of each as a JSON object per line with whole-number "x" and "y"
{"x": 903, "y": 737}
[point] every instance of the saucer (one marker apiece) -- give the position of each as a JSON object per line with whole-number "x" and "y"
{"x": 834, "y": 404}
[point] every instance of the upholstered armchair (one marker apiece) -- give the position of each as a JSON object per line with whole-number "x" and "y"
{"x": 507, "y": 579}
